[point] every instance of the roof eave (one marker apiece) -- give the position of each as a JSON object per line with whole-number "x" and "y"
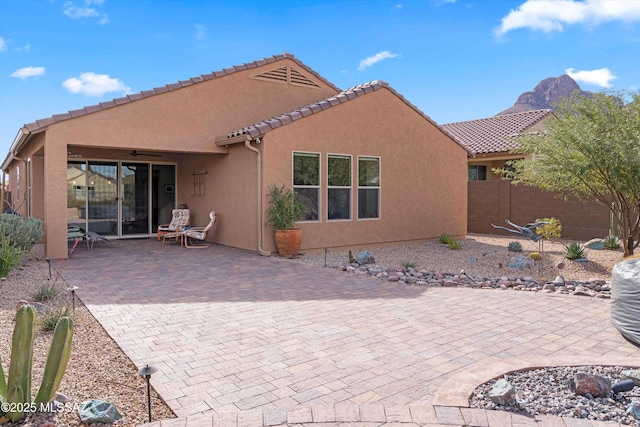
{"x": 224, "y": 141}
{"x": 18, "y": 143}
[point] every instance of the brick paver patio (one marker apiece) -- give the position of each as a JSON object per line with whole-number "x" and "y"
{"x": 233, "y": 332}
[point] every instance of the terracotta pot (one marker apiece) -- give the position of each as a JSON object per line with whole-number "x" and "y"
{"x": 288, "y": 242}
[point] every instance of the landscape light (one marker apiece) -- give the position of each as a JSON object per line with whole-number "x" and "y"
{"x": 146, "y": 373}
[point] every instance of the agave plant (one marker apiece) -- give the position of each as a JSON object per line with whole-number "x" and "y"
{"x": 611, "y": 242}
{"x": 574, "y": 251}
{"x": 515, "y": 247}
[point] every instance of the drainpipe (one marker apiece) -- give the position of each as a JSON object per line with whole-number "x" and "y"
{"x": 247, "y": 143}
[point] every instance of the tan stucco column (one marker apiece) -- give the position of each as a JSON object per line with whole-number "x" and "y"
{"x": 55, "y": 197}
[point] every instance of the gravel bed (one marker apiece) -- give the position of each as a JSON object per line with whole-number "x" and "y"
{"x": 97, "y": 369}
{"x": 545, "y": 391}
{"x": 480, "y": 256}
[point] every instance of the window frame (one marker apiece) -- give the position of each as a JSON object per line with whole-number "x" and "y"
{"x": 317, "y": 187}
{"x": 340, "y": 187}
{"x": 476, "y": 167}
{"x": 378, "y": 187}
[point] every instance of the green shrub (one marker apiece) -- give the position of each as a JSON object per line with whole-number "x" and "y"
{"x": 551, "y": 231}
{"x": 20, "y": 232}
{"x": 454, "y": 244}
{"x": 448, "y": 240}
{"x": 409, "y": 264}
{"x": 535, "y": 256}
{"x": 574, "y": 251}
{"x": 45, "y": 293}
{"x": 611, "y": 242}
{"x": 445, "y": 238}
{"x": 515, "y": 247}
{"x": 9, "y": 257}
{"x": 49, "y": 318}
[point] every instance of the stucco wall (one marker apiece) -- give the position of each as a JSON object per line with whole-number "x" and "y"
{"x": 423, "y": 172}
{"x": 189, "y": 119}
{"x": 230, "y": 190}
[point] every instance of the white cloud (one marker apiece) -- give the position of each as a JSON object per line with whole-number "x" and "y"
{"x": 25, "y": 48}
{"x": 553, "y": 15}
{"x": 601, "y": 77}
{"x": 3, "y": 44}
{"x": 93, "y": 84}
{"x": 368, "y": 62}
{"x": 85, "y": 11}
{"x": 27, "y": 72}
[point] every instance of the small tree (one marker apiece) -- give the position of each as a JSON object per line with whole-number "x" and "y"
{"x": 592, "y": 151}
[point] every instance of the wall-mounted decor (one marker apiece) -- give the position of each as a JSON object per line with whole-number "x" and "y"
{"x": 198, "y": 183}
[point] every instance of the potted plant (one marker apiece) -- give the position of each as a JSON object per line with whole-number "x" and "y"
{"x": 282, "y": 215}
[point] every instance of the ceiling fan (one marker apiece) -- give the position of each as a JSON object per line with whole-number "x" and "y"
{"x": 136, "y": 153}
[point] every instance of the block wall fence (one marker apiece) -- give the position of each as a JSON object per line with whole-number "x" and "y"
{"x": 494, "y": 201}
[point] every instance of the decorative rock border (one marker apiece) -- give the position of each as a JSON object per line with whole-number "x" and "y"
{"x": 596, "y": 288}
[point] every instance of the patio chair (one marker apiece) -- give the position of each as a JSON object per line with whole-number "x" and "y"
{"x": 76, "y": 233}
{"x": 178, "y": 222}
{"x": 200, "y": 233}
{"x": 93, "y": 237}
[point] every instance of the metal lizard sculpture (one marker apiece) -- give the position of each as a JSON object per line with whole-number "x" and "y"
{"x": 525, "y": 231}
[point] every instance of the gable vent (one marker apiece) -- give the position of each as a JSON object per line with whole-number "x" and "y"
{"x": 286, "y": 75}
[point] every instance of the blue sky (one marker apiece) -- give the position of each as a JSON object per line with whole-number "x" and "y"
{"x": 454, "y": 59}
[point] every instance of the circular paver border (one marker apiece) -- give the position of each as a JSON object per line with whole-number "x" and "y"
{"x": 457, "y": 390}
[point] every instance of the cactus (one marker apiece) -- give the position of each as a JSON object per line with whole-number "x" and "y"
{"x": 19, "y": 384}
{"x": 3, "y": 386}
{"x": 59, "y": 353}
{"x": 17, "y": 389}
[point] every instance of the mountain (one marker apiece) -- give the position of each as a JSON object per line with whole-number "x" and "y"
{"x": 546, "y": 95}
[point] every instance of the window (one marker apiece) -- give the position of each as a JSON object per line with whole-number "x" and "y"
{"x": 477, "y": 173}
{"x": 306, "y": 182}
{"x": 338, "y": 187}
{"x": 368, "y": 187}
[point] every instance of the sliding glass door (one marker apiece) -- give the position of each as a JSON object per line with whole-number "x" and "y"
{"x": 119, "y": 198}
{"x": 101, "y": 211}
{"x": 135, "y": 198}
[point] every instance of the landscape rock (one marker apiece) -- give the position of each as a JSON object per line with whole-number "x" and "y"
{"x": 623, "y": 386}
{"x": 503, "y": 393}
{"x": 98, "y": 411}
{"x": 632, "y": 374}
{"x": 40, "y": 307}
{"x": 634, "y": 409}
{"x": 365, "y": 257}
{"x": 520, "y": 262}
{"x": 595, "y": 385}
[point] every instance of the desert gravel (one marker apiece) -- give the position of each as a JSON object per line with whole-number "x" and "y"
{"x": 98, "y": 369}
{"x": 480, "y": 256}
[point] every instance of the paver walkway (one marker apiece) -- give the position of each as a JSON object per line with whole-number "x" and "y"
{"x": 232, "y": 331}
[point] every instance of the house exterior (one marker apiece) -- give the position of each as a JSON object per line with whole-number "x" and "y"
{"x": 491, "y": 199}
{"x": 492, "y": 140}
{"x": 372, "y": 167}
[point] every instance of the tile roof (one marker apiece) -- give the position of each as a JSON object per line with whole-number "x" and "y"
{"x": 258, "y": 129}
{"x": 43, "y": 123}
{"x": 494, "y": 134}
